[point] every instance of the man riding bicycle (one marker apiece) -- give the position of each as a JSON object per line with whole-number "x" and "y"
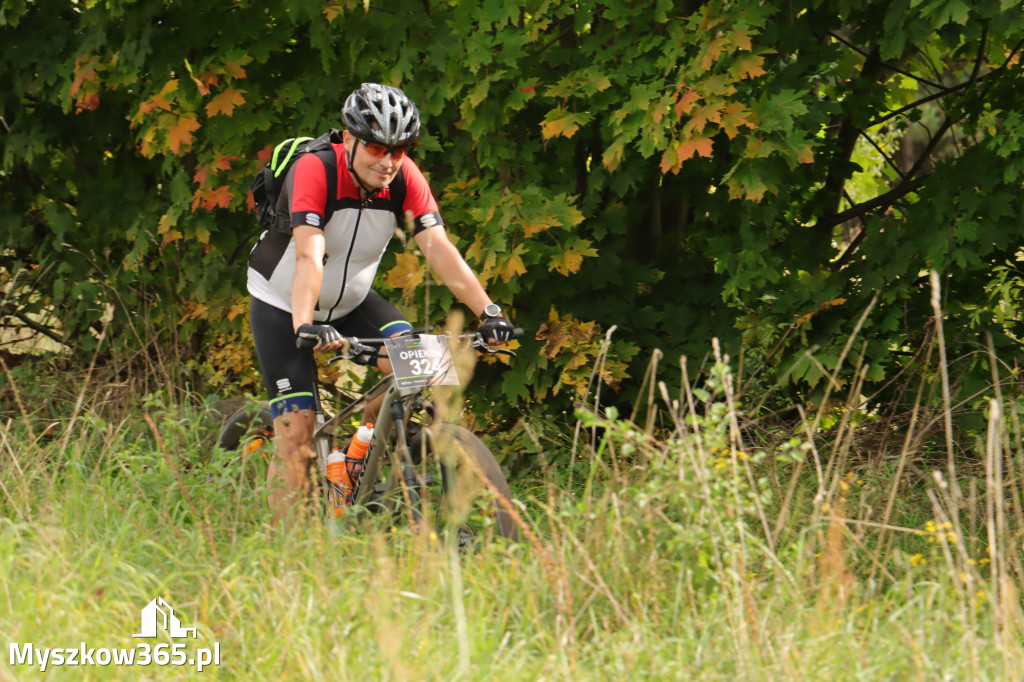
{"x": 316, "y": 282}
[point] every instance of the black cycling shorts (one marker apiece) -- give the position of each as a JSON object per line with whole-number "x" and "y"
{"x": 290, "y": 373}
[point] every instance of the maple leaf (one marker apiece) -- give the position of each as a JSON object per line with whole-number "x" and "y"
{"x": 700, "y": 119}
{"x": 684, "y": 104}
{"x": 200, "y": 175}
{"x": 167, "y": 221}
{"x": 733, "y": 116}
{"x": 88, "y": 102}
{"x": 749, "y": 66}
{"x": 407, "y": 274}
{"x": 179, "y": 135}
{"x": 740, "y": 38}
{"x": 695, "y": 146}
{"x": 233, "y": 68}
{"x": 571, "y": 259}
{"x": 219, "y": 198}
{"x": 224, "y": 162}
{"x": 750, "y": 187}
{"x": 85, "y": 71}
{"x": 560, "y": 122}
{"x": 554, "y": 332}
{"x": 513, "y": 264}
{"x": 171, "y": 236}
{"x": 158, "y": 101}
{"x": 264, "y": 154}
{"x": 236, "y": 310}
{"x": 333, "y": 11}
{"x": 669, "y": 162}
{"x": 210, "y": 79}
{"x": 712, "y": 54}
{"x": 757, "y": 147}
{"x": 613, "y": 155}
{"x": 535, "y": 223}
{"x": 211, "y": 198}
{"x": 225, "y": 103}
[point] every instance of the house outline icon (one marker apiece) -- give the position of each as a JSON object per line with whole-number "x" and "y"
{"x": 150, "y": 620}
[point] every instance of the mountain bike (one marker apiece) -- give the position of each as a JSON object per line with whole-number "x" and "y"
{"x": 415, "y": 466}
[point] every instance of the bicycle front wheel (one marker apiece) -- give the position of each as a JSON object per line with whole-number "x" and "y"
{"x": 473, "y": 497}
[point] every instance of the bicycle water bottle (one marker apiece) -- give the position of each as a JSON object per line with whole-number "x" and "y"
{"x": 357, "y": 450}
{"x": 338, "y": 482}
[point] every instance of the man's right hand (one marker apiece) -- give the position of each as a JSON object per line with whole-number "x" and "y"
{"x": 322, "y": 335}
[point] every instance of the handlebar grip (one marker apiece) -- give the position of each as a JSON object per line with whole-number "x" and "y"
{"x": 305, "y": 344}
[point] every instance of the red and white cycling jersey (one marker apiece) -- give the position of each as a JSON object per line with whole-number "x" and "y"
{"x": 356, "y": 233}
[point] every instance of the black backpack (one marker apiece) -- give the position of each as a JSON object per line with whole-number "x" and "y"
{"x": 266, "y": 186}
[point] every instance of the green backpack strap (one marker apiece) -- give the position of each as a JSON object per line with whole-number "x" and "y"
{"x": 279, "y": 164}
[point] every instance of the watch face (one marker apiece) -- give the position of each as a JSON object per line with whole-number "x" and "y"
{"x": 492, "y": 310}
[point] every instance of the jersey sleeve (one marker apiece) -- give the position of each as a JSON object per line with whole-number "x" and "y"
{"x": 308, "y": 192}
{"x": 419, "y": 200}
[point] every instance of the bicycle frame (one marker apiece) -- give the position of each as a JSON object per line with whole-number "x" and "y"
{"x": 392, "y": 418}
{"x": 394, "y": 411}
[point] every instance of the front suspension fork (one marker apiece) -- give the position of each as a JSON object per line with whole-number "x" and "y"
{"x": 410, "y": 481}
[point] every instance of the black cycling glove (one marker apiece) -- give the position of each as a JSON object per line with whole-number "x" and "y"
{"x": 321, "y": 333}
{"x": 497, "y": 328}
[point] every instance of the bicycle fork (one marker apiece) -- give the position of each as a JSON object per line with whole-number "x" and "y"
{"x": 410, "y": 481}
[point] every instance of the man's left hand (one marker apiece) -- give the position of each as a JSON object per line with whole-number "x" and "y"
{"x": 497, "y": 330}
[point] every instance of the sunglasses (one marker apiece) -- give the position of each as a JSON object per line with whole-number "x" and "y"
{"x": 379, "y": 151}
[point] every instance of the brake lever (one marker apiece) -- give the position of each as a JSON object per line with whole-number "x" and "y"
{"x": 358, "y": 353}
{"x": 481, "y": 346}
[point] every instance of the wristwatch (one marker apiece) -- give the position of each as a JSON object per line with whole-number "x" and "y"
{"x": 490, "y": 310}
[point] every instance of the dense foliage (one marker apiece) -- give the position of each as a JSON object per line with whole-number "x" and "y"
{"x": 758, "y": 172}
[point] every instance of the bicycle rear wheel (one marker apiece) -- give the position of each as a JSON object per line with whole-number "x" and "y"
{"x": 247, "y": 430}
{"x": 473, "y": 498}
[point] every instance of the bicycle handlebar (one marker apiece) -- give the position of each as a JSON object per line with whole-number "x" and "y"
{"x": 370, "y": 347}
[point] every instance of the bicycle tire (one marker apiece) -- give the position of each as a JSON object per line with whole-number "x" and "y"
{"x": 253, "y": 419}
{"x": 463, "y": 496}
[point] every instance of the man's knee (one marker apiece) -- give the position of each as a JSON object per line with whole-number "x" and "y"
{"x": 294, "y": 430}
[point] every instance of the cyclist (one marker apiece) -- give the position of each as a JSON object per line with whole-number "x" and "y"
{"x": 316, "y": 282}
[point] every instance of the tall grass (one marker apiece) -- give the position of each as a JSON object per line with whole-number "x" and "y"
{"x": 700, "y": 549}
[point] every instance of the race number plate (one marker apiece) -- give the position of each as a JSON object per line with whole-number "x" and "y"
{"x": 421, "y": 360}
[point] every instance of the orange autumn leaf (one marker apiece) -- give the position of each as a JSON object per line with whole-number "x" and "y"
{"x": 224, "y": 162}
{"x": 88, "y": 103}
{"x": 179, "y": 135}
{"x": 684, "y": 104}
{"x": 233, "y": 69}
{"x": 211, "y": 198}
{"x": 749, "y": 66}
{"x": 559, "y": 122}
{"x": 407, "y": 273}
{"x": 225, "y": 103}
{"x": 158, "y": 101}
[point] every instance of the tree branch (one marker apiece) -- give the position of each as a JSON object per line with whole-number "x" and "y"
{"x": 36, "y": 327}
{"x": 923, "y": 100}
{"x": 881, "y": 201}
{"x": 888, "y": 159}
{"x": 887, "y": 65}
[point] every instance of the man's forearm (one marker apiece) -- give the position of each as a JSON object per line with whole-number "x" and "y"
{"x": 305, "y": 290}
